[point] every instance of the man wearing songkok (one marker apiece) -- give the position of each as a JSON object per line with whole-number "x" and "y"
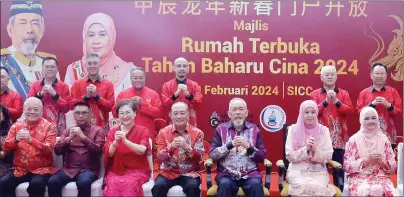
{"x": 385, "y": 99}
{"x": 11, "y": 101}
{"x": 32, "y": 141}
{"x": 238, "y": 146}
{"x": 147, "y": 101}
{"x": 54, "y": 94}
{"x": 96, "y": 91}
{"x": 179, "y": 150}
{"x": 81, "y": 147}
{"x": 25, "y": 28}
{"x": 182, "y": 89}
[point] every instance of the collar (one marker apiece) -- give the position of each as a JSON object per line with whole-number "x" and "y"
{"x": 98, "y": 79}
{"x": 21, "y": 58}
{"x": 31, "y": 125}
{"x": 181, "y": 82}
{"x": 372, "y": 88}
{"x": 188, "y": 128}
{"x": 245, "y": 125}
{"x": 86, "y": 128}
{"x": 53, "y": 84}
{"x": 6, "y": 91}
{"x": 336, "y": 90}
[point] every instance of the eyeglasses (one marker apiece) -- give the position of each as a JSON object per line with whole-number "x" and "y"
{"x": 36, "y": 110}
{"x": 94, "y": 63}
{"x": 78, "y": 113}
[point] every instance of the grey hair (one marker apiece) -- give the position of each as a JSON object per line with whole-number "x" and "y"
{"x": 324, "y": 68}
{"x": 137, "y": 68}
{"x": 237, "y": 99}
{"x": 91, "y": 55}
{"x": 180, "y": 103}
{"x": 12, "y": 19}
{"x": 33, "y": 100}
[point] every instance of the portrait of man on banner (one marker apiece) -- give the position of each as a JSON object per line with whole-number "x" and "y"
{"x": 26, "y": 27}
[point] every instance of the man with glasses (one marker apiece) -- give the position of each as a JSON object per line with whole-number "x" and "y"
{"x": 147, "y": 101}
{"x": 334, "y": 108}
{"x": 32, "y": 141}
{"x": 182, "y": 89}
{"x": 54, "y": 94}
{"x": 82, "y": 147}
{"x": 96, "y": 91}
{"x": 384, "y": 99}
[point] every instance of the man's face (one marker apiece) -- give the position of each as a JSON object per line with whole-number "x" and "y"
{"x": 82, "y": 115}
{"x": 3, "y": 80}
{"x": 379, "y": 75}
{"x": 238, "y": 113}
{"x": 32, "y": 111}
{"x": 138, "y": 79}
{"x": 49, "y": 69}
{"x": 26, "y": 31}
{"x": 93, "y": 66}
{"x": 179, "y": 115}
{"x": 329, "y": 77}
{"x": 181, "y": 68}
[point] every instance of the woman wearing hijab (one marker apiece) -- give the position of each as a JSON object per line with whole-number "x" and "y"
{"x": 99, "y": 36}
{"x": 369, "y": 159}
{"x": 308, "y": 149}
{"x": 6, "y": 161}
{"x": 126, "y": 150}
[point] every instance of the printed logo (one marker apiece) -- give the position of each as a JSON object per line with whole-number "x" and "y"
{"x": 272, "y": 118}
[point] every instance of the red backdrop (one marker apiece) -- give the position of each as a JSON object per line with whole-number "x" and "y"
{"x": 159, "y": 35}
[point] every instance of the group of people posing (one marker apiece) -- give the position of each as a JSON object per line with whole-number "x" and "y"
{"x": 319, "y": 135}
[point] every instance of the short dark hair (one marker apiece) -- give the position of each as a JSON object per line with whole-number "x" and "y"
{"x": 126, "y": 102}
{"x": 4, "y": 68}
{"x": 48, "y": 59}
{"x": 82, "y": 104}
{"x": 378, "y": 64}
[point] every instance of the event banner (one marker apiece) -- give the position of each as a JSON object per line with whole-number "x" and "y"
{"x": 267, "y": 52}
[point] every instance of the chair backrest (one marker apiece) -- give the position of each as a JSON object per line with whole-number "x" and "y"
{"x": 150, "y": 160}
{"x": 285, "y": 135}
{"x": 400, "y": 164}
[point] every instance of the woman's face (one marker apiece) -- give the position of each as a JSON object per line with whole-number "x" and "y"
{"x": 97, "y": 39}
{"x": 126, "y": 115}
{"x": 370, "y": 120}
{"x": 310, "y": 116}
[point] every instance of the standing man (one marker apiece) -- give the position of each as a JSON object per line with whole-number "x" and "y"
{"x": 32, "y": 141}
{"x": 384, "y": 99}
{"x": 11, "y": 101}
{"x": 334, "y": 107}
{"x": 96, "y": 91}
{"x": 82, "y": 147}
{"x": 25, "y": 28}
{"x": 54, "y": 94}
{"x": 239, "y": 147}
{"x": 179, "y": 150}
{"x": 147, "y": 101}
{"x": 182, "y": 89}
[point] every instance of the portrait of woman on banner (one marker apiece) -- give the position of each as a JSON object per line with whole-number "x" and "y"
{"x": 99, "y": 36}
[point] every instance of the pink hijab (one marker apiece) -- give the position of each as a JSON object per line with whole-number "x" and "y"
{"x": 303, "y": 131}
{"x": 109, "y": 59}
{"x": 370, "y": 141}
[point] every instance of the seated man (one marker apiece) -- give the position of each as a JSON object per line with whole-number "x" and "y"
{"x": 179, "y": 149}
{"x": 238, "y": 147}
{"x": 82, "y": 147}
{"x": 32, "y": 141}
